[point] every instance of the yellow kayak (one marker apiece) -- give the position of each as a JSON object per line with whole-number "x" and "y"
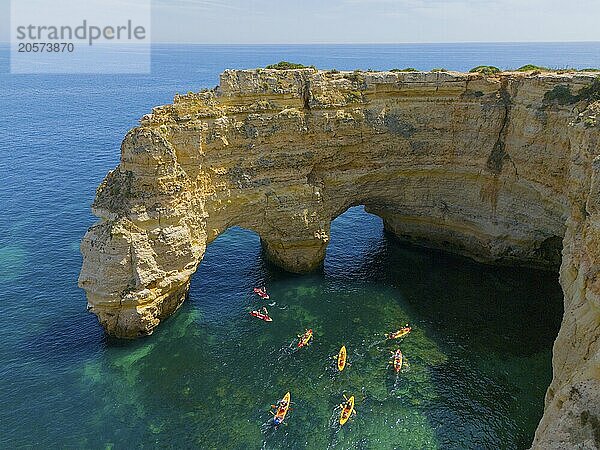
{"x": 400, "y": 333}
{"x": 347, "y": 410}
{"x": 305, "y": 338}
{"x": 341, "y": 361}
{"x": 282, "y": 408}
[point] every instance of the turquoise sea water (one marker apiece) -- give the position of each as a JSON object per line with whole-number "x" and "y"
{"x": 478, "y": 358}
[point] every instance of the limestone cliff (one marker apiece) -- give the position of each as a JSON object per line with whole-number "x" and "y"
{"x": 498, "y": 168}
{"x": 572, "y": 413}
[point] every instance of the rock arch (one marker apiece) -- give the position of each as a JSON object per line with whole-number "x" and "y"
{"x": 500, "y": 168}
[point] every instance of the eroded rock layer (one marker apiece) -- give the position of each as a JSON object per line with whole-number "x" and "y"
{"x": 498, "y": 168}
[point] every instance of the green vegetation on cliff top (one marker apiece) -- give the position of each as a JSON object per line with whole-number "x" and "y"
{"x": 530, "y": 67}
{"x": 485, "y": 70}
{"x": 286, "y": 65}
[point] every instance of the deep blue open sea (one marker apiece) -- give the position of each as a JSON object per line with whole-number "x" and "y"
{"x": 479, "y": 358}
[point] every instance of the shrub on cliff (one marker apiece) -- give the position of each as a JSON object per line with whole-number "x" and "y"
{"x": 407, "y": 69}
{"x": 590, "y": 93}
{"x": 531, "y": 67}
{"x": 439, "y": 69}
{"x": 562, "y": 94}
{"x": 485, "y": 70}
{"x": 286, "y": 65}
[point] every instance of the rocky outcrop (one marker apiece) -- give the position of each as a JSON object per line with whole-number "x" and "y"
{"x": 498, "y": 168}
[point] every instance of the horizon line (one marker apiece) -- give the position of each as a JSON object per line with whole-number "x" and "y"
{"x": 361, "y": 43}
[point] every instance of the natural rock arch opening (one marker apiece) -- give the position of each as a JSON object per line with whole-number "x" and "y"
{"x": 236, "y": 247}
{"x": 241, "y": 249}
{"x": 231, "y": 264}
{"x": 356, "y": 237}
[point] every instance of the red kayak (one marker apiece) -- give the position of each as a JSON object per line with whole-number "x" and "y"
{"x": 397, "y": 360}
{"x": 261, "y": 316}
{"x": 262, "y": 293}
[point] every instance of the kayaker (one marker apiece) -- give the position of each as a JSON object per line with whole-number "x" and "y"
{"x": 264, "y": 311}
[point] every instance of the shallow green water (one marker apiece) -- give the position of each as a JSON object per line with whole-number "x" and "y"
{"x": 478, "y": 358}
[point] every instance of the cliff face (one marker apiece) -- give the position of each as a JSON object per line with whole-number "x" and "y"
{"x": 499, "y": 168}
{"x": 572, "y": 411}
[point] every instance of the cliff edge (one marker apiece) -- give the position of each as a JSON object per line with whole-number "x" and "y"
{"x": 501, "y": 168}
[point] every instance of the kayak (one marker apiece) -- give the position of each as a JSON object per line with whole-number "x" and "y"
{"x": 347, "y": 410}
{"x": 341, "y": 360}
{"x": 261, "y": 316}
{"x": 397, "y": 362}
{"x": 400, "y": 333}
{"x": 282, "y": 410}
{"x": 305, "y": 338}
{"x": 262, "y": 293}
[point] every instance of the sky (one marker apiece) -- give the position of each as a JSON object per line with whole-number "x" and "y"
{"x": 364, "y": 21}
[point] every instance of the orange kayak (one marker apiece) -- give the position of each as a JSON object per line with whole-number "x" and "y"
{"x": 282, "y": 408}
{"x": 397, "y": 361}
{"x": 347, "y": 410}
{"x": 341, "y": 361}
{"x": 305, "y": 338}
{"x": 400, "y": 333}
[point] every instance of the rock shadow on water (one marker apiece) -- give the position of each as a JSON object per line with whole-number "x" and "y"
{"x": 497, "y": 326}
{"x": 493, "y": 328}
